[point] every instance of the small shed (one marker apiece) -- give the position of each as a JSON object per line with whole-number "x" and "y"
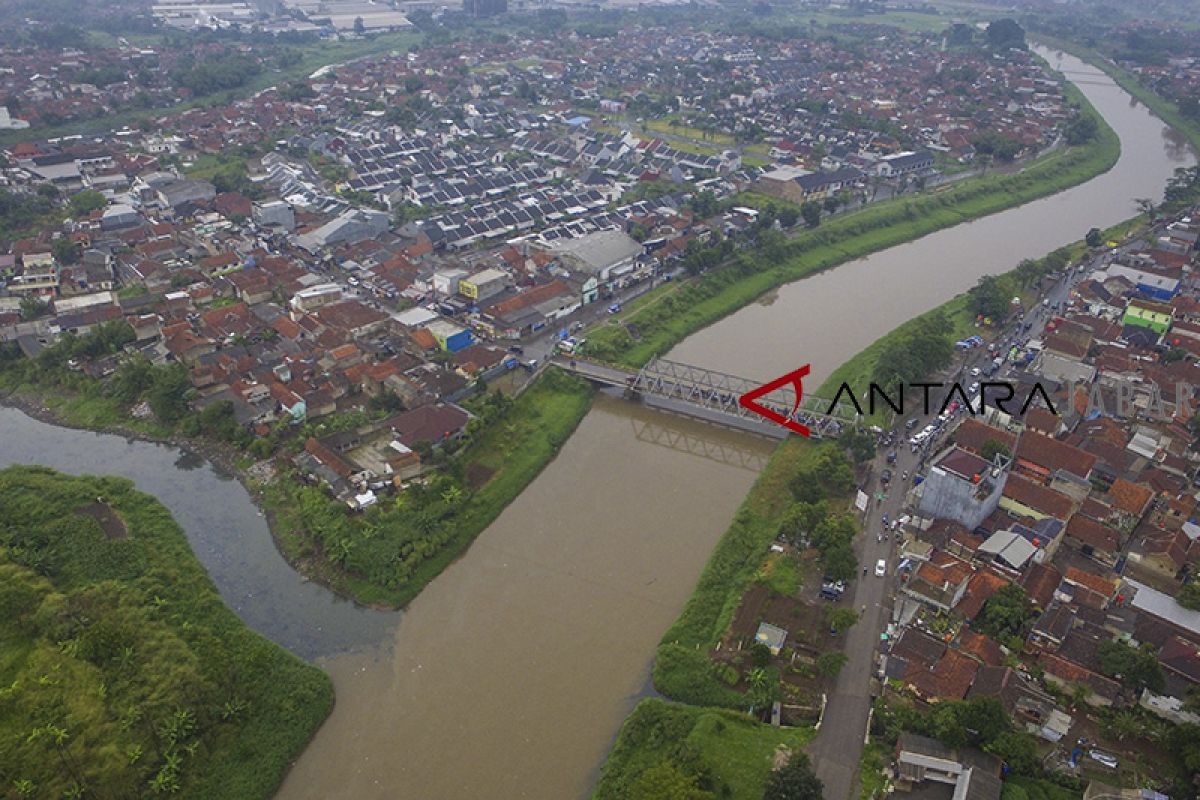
{"x": 772, "y": 636}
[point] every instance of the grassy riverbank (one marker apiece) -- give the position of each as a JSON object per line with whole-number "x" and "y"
{"x": 125, "y": 673}
{"x": 658, "y": 736}
{"x": 322, "y": 542}
{"x": 667, "y": 315}
{"x": 858, "y": 370}
{"x": 710, "y": 736}
{"x": 682, "y": 668}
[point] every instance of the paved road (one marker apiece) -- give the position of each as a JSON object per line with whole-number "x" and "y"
{"x": 837, "y": 750}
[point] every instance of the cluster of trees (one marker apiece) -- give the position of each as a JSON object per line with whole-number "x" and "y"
{"x": 795, "y": 780}
{"x": 658, "y": 756}
{"x": 809, "y": 520}
{"x": 231, "y": 176}
{"x": 216, "y": 75}
{"x": 166, "y": 388}
{"x": 391, "y": 541}
{"x": 1006, "y": 616}
{"x": 19, "y": 213}
{"x": 1189, "y": 596}
{"x": 1081, "y": 130}
{"x": 649, "y": 190}
{"x": 701, "y": 257}
{"x": 1182, "y": 187}
{"x": 102, "y": 76}
{"x": 917, "y": 350}
{"x": 991, "y": 296}
{"x": 997, "y": 145}
{"x": 980, "y": 723}
{"x": 126, "y": 676}
{"x": 655, "y": 757}
{"x": 1136, "y": 667}
{"x": 1005, "y": 34}
{"x": 859, "y": 444}
{"x": 86, "y": 202}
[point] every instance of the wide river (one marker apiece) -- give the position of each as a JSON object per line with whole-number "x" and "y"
{"x": 510, "y": 674}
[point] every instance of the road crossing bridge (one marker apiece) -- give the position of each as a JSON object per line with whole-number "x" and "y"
{"x": 712, "y": 396}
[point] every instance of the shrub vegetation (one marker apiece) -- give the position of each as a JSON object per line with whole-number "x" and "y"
{"x": 124, "y": 674}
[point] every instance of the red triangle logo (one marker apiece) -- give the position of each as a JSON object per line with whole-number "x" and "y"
{"x": 796, "y": 379}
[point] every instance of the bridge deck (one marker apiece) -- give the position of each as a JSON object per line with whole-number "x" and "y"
{"x": 710, "y": 395}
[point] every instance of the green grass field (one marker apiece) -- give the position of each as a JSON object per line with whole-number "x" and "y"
{"x": 663, "y": 125}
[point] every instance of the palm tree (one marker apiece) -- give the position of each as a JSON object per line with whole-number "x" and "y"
{"x": 1125, "y": 724}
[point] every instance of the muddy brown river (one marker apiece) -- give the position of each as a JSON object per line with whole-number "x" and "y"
{"x": 509, "y": 676}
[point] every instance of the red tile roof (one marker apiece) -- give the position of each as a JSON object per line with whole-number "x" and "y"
{"x": 982, "y": 647}
{"x": 972, "y": 435}
{"x": 1051, "y": 455}
{"x": 1091, "y": 533}
{"x": 983, "y": 585}
{"x": 1101, "y": 586}
{"x": 949, "y": 679}
{"x": 1037, "y": 497}
{"x": 1131, "y": 497}
{"x": 1040, "y": 581}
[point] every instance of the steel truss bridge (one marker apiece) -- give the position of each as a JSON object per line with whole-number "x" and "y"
{"x": 712, "y": 396}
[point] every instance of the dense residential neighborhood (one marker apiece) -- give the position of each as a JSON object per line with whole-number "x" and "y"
{"x": 370, "y": 255}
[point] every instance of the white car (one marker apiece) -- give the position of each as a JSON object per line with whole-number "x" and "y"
{"x": 880, "y": 568}
{"x": 975, "y": 371}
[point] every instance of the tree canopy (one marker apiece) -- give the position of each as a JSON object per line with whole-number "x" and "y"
{"x": 794, "y": 781}
{"x": 1005, "y": 614}
{"x": 1004, "y": 34}
{"x": 990, "y": 297}
{"x": 1136, "y": 667}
